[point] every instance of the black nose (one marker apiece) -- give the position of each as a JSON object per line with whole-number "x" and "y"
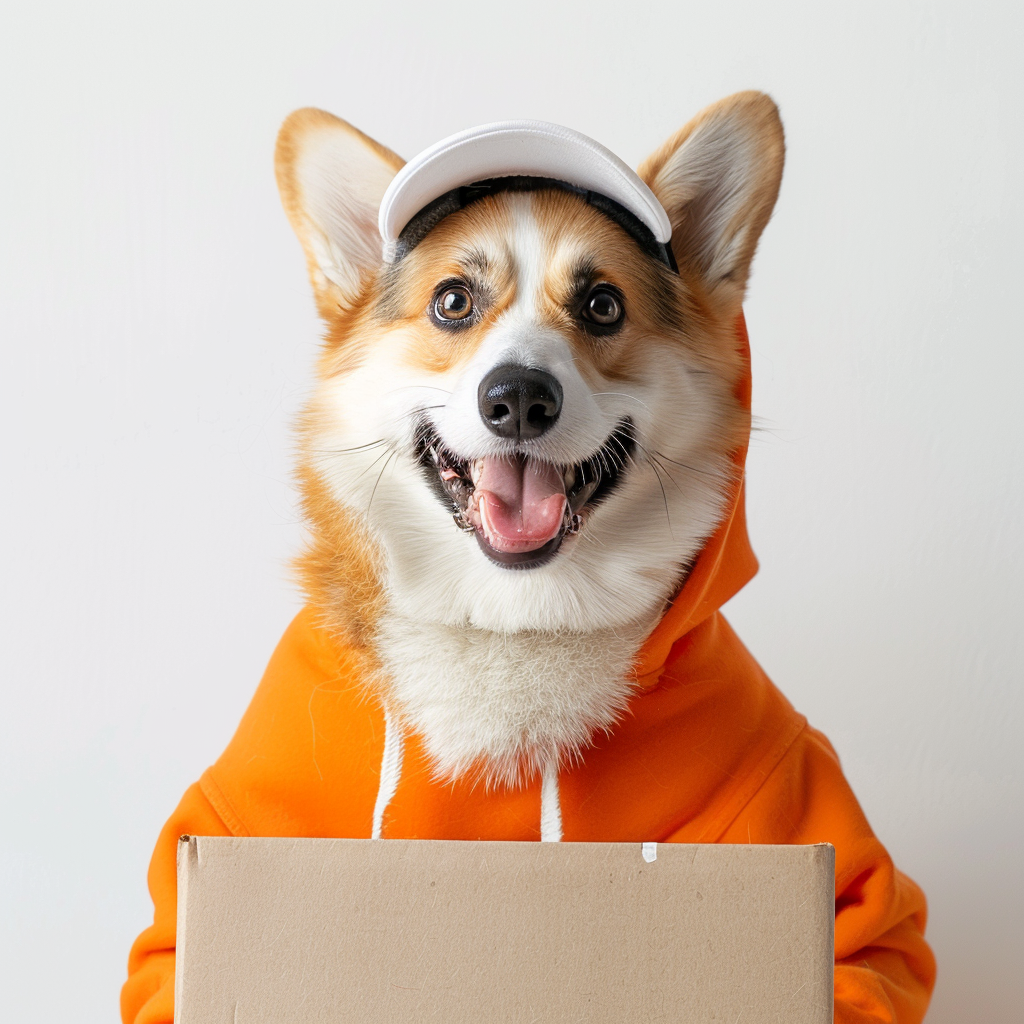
{"x": 519, "y": 402}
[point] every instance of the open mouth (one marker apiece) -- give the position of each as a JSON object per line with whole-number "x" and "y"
{"x": 521, "y": 508}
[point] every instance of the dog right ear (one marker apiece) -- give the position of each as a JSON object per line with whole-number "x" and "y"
{"x": 332, "y": 178}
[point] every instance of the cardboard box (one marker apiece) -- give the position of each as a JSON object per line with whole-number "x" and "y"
{"x": 348, "y": 931}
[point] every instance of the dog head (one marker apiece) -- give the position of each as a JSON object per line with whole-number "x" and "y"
{"x": 528, "y": 418}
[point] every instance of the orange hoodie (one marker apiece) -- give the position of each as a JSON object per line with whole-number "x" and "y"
{"x": 709, "y": 752}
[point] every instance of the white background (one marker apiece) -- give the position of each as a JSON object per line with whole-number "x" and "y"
{"x": 158, "y": 337}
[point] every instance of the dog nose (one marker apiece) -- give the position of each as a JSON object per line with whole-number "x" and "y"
{"x": 519, "y": 402}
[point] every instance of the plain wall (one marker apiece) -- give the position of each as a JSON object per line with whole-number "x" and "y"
{"x": 158, "y": 337}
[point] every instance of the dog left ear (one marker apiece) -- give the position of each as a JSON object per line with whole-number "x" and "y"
{"x": 332, "y": 178}
{"x": 718, "y": 179}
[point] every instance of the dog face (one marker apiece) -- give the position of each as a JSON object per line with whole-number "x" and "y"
{"x": 528, "y": 417}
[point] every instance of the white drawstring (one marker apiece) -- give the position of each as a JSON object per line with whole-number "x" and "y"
{"x": 390, "y": 771}
{"x": 550, "y": 805}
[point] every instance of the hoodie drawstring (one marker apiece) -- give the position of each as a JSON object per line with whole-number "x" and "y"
{"x": 550, "y": 805}
{"x": 391, "y": 772}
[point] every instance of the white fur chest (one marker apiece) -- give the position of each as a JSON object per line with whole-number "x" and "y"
{"x": 506, "y": 704}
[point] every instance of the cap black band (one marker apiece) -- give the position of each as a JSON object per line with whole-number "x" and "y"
{"x": 459, "y": 198}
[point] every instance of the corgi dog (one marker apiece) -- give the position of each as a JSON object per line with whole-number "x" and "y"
{"x": 521, "y": 468}
{"x": 523, "y": 427}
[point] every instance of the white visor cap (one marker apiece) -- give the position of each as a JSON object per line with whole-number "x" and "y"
{"x": 511, "y": 148}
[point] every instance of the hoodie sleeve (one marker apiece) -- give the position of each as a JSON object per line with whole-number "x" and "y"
{"x": 148, "y": 994}
{"x": 884, "y": 969}
{"x": 263, "y": 782}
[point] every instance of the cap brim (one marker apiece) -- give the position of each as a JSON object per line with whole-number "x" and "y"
{"x": 506, "y": 148}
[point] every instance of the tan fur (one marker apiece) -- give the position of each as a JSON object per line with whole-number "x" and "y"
{"x": 447, "y": 253}
{"x": 340, "y": 569}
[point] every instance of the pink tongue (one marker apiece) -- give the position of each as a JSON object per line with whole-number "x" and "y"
{"x": 520, "y": 502}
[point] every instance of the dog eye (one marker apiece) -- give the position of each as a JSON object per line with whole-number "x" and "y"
{"x": 603, "y": 307}
{"x": 453, "y": 303}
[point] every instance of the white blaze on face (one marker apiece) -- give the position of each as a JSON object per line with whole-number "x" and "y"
{"x": 521, "y": 337}
{"x": 519, "y": 501}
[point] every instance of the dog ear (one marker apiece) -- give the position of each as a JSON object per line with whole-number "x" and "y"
{"x": 718, "y": 179}
{"x": 332, "y": 178}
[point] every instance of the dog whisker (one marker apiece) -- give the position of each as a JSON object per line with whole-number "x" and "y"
{"x": 664, "y": 497}
{"x": 682, "y": 465}
{"x": 417, "y": 387}
{"x": 619, "y": 394}
{"x": 385, "y": 454}
{"x": 627, "y": 456}
{"x": 380, "y": 475}
{"x": 349, "y": 451}
{"x": 668, "y": 473}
